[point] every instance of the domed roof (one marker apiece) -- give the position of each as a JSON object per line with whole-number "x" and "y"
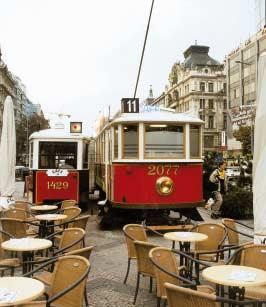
{"x": 197, "y": 55}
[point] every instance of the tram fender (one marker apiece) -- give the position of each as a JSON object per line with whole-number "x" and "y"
{"x": 191, "y": 213}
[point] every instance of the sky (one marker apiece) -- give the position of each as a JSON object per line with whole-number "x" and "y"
{"x": 80, "y": 56}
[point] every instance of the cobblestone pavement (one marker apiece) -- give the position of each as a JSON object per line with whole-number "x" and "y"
{"x": 109, "y": 261}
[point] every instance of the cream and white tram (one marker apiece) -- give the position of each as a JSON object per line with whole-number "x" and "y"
{"x": 58, "y": 160}
{"x": 147, "y": 163}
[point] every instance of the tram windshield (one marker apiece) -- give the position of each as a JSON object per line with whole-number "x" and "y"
{"x": 164, "y": 141}
{"x": 57, "y": 155}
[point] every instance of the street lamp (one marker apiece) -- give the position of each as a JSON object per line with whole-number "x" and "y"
{"x": 249, "y": 79}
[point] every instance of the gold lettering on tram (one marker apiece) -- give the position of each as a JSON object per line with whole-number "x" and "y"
{"x": 161, "y": 170}
{"x": 58, "y": 185}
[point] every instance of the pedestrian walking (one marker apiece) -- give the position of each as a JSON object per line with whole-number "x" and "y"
{"x": 219, "y": 180}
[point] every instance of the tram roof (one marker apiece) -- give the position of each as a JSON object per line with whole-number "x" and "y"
{"x": 161, "y": 115}
{"x": 57, "y": 134}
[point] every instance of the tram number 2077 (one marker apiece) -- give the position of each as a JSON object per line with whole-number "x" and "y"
{"x": 57, "y": 185}
{"x": 161, "y": 170}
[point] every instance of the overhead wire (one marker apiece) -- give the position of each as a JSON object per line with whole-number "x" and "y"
{"x": 143, "y": 49}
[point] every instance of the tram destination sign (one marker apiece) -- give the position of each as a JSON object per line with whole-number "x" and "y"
{"x": 130, "y": 105}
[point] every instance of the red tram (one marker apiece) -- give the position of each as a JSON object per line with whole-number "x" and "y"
{"x": 58, "y": 161}
{"x": 149, "y": 160}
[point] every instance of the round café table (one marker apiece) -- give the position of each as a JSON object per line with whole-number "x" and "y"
{"x": 47, "y": 223}
{"x": 236, "y": 277}
{"x": 185, "y": 238}
{"x": 43, "y": 208}
{"x": 27, "y": 246}
{"x": 19, "y": 290}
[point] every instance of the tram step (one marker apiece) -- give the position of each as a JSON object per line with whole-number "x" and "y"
{"x": 171, "y": 227}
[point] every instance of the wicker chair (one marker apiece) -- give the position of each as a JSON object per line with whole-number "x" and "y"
{"x": 166, "y": 270}
{"x": 46, "y": 276}
{"x": 133, "y": 232}
{"x": 22, "y": 205}
{"x": 16, "y": 228}
{"x": 81, "y": 222}
{"x": 68, "y": 282}
{"x": 7, "y": 263}
{"x": 209, "y": 250}
{"x": 71, "y": 213}
{"x": 233, "y": 233}
{"x": 68, "y": 203}
{"x": 253, "y": 256}
{"x": 145, "y": 267}
{"x": 180, "y": 296}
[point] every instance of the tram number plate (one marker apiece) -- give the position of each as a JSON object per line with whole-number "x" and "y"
{"x": 57, "y": 185}
{"x": 162, "y": 170}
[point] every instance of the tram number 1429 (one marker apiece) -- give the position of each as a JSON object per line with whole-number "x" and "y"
{"x": 57, "y": 185}
{"x": 162, "y": 170}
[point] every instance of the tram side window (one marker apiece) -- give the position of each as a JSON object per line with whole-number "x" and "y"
{"x": 164, "y": 141}
{"x": 115, "y": 142}
{"x": 57, "y": 155}
{"x": 130, "y": 141}
{"x": 194, "y": 141}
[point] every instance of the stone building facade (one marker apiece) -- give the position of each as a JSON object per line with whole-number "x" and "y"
{"x": 198, "y": 86}
{"x": 242, "y": 70}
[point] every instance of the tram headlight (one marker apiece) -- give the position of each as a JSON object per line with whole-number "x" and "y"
{"x": 164, "y": 186}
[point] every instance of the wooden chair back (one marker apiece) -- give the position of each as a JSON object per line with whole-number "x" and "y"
{"x": 71, "y": 235}
{"x": 81, "y": 222}
{"x": 67, "y": 270}
{"x": 21, "y": 205}
{"x": 216, "y": 234}
{"x": 71, "y": 213}
{"x": 19, "y": 214}
{"x": 254, "y": 256}
{"x": 133, "y": 232}
{"x": 68, "y": 203}
{"x": 83, "y": 252}
{"x": 180, "y": 296}
{"x": 164, "y": 258}
{"x": 232, "y": 236}
{"x": 144, "y": 263}
{"x": 16, "y": 228}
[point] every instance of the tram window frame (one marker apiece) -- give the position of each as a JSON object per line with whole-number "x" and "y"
{"x": 57, "y": 156}
{"x": 31, "y": 154}
{"x": 123, "y": 141}
{"x": 192, "y": 142}
{"x": 115, "y": 142}
{"x": 182, "y": 156}
{"x": 85, "y": 154}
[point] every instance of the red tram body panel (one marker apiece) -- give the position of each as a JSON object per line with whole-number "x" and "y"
{"x": 56, "y": 187}
{"x": 134, "y": 185}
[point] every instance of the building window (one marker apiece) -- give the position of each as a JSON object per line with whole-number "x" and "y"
{"x": 115, "y": 142}
{"x": 235, "y": 94}
{"x": 210, "y": 87}
{"x": 202, "y": 103}
{"x": 224, "y": 87}
{"x": 211, "y": 122}
{"x": 202, "y": 86}
{"x": 208, "y": 141}
{"x": 202, "y": 117}
{"x": 194, "y": 141}
{"x": 225, "y": 122}
{"x": 130, "y": 141}
{"x": 210, "y": 103}
{"x": 225, "y": 104}
{"x": 164, "y": 141}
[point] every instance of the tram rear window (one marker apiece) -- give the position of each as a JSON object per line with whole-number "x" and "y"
{"x": 164, "y": 141}
{"x": 57, "y": 155}
{"x": 130, "y": 142}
